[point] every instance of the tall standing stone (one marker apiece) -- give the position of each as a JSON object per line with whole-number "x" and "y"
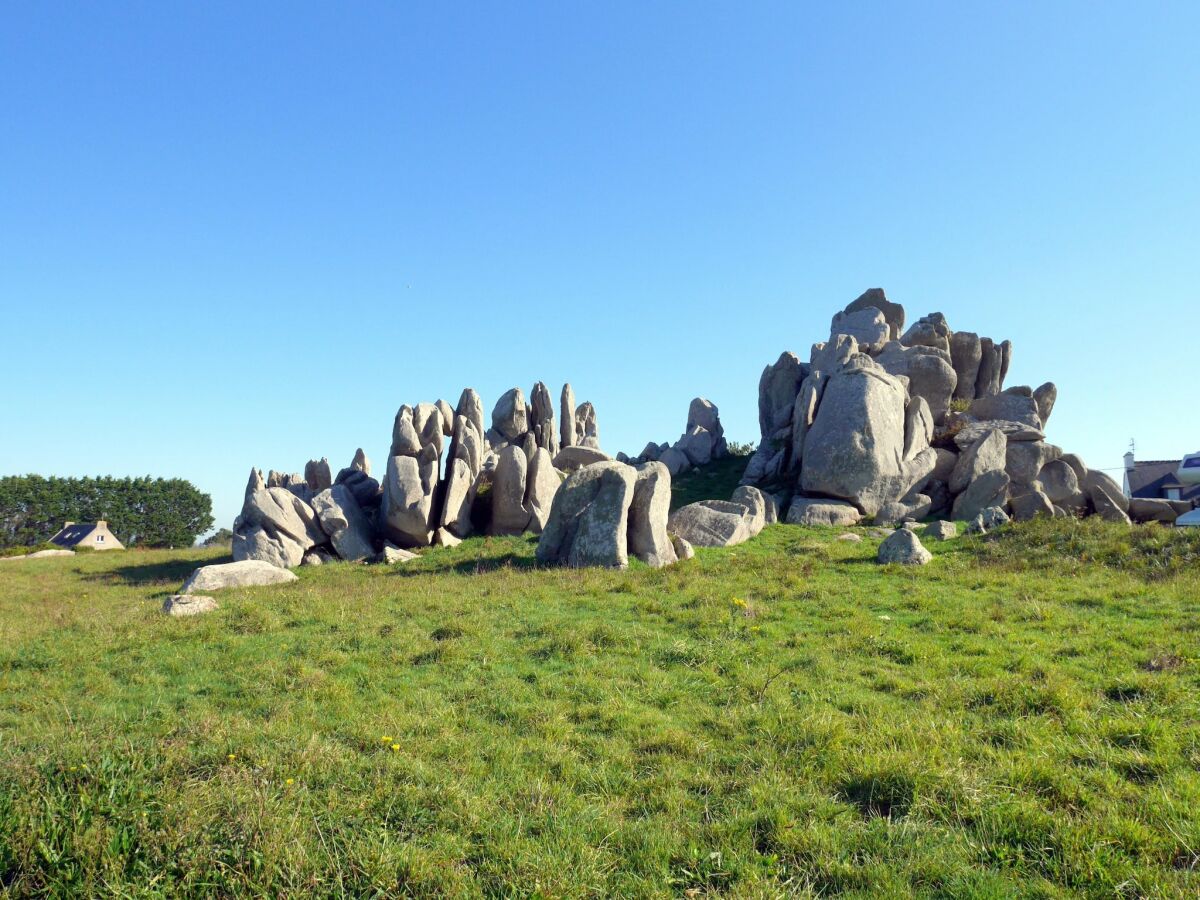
{"x": 566, "y": 408}
{"x": 965, "y": 355}
{"x": 589, "y": 517}
{"x": 541, "y": 419}
{"x": 648, "y": 538}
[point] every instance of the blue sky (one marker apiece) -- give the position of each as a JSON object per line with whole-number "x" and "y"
{"x": 244, "y": 234}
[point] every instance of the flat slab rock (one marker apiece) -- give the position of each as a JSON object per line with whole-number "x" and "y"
{"x": 40, "y": 554}
{"x": 188, "y": 605}
{"x": 247, "y": 573}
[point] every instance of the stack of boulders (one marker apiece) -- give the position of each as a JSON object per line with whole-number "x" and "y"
{"x": 887, "y": 424}
{"x": 702, "y": 441}
{"x": 430, "y": 491}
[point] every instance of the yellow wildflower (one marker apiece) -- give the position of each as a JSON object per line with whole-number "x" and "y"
{"x": 395, "y": 746}
{"x": 291, "y": 781}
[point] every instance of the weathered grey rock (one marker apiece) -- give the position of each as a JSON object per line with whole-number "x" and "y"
{"x": 904, "y": 548}
{"x": 470, "y": 405}
{"x": 407, "y": 507}
{"x": 180, "y": 605}
{"x": 965, "y": 355}
{"x": 1077, "y": 465}
{"x": 867, "y": 326}
{"x": 1142, "y": 509}
{"x": 989, "y": 489}
{"x": 918, "y": 431}
{"x": 942, "y": 531}
{"x": 944, "y": 466}
{"x": 1095, "y": 481}
{"x": 676, "y": 461}
{"x": 1030, "y": 504}
{"x": 855, "y": 447}
{"x": 703, "y": 413}
{"x": 711, "y": 523}
{"x": 587, "y": 429}
{"x": 569, "y": 459}
{"x": 987, "y": 382}
{"x": 1006, "y": 351}
{"x": 893, "y": 312}
{"x": 1107, "y": 499}
{"x": 1008, "y": 407}
{"x": 683, "y": 550}
{"x": 940, "y": 498}
{"x": 447, "y": 413}
{"x": 988, "y": 454}
{"x": 761, "y": 504}
{"x": 391, "y": 554}
{"x": 804, "y": 410}
{"x": 929, "y": 331}
{"x": 459, "y": 494}
{"x": 697, "y": 445}
{"x": 444, "y": 538}
{"x": 541, "y": 419}
{"x": 1058, "y": 481}
{"x": 541, "y": 484}
{"x": 1014, "y": 431}
{"x": 648, "y": 512}
{"x": 317, "y": 474}
{"x": 589, "y": 517}
{"x": 509, "y": 416}
{"x": 317, "y": 556}
{"x": 366, "y": 490}
{"x": 361, "y": 463}
{"x": 275, "y": 479}
{"x": 509, "y": 513}
{"x": 651, "y": 452}
{"x": 348, "y": 527}
{"x": 891, "y": 514}
{"x": 38, "y": 554}
{"x": 928, "y": 370}
{"x": 987, "y": 520}
{"x": 1024, "y": 460}
{"x": 817, "y": 511}
{"x": 1045, "y": 398}
{"x": 244, "y": 573}
{"x": 406, "y": 440}
{"x": 253, "y": 543}
{"x": 777, "y": 389}
{"x": 850, "y": 538}
{"x": 566, "y": 407}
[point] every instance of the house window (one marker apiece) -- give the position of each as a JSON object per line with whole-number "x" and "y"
{"x": 99, "y": 539}
{"x": 1173, "y": 493}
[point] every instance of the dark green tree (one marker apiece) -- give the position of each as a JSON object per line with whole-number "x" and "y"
{"x": 144, "y": 512}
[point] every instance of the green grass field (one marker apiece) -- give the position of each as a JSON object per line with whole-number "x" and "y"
{"x": 1019, "y": 718}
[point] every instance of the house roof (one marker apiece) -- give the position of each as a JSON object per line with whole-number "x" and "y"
{"x": 1152, "y": 477}
{"x": 73, "y": 534}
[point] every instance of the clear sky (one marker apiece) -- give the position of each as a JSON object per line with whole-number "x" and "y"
{"x": 241, "y": 234}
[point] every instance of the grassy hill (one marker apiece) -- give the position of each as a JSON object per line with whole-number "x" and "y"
{"x": 1020, "y": 717}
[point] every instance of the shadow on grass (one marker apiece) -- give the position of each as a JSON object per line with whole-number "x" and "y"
{"x": 174, "y": 570}
{"x": 477, "y": 566}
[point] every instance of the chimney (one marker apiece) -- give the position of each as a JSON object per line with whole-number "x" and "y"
{"x": 101, "y": 523}
{"x": 68, "y": 524}
{"x": 1129, "y": 466}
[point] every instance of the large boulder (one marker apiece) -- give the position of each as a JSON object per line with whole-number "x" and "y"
{"x": 1030, "y": 504}
{"x": 180, "y": 605}
{"x": 675, "y": 460}
{"x": 589, "y": 518}
{"x": 763, "y": 508}
{"x": 566, "y": 408}
{"x": 343, "y": 520}
{"x": 1013, "y": 405}
{"x": 648, "y": 514}
{"x": 253, "y": 543}
{"x": 965, "y": 354}
{"x": 969, "y": 431}
{"x": 244, "y": 573}
{"x": 587, "y": 429}
{"x": 875, "y": 298}
{"x": 541, "y": 484}
{"x": 904, "y": 548}
{"x": 276, "y": 527}
{"x": 704, "y": 414}
{"x": 868, "y": 326}
{"x": 470, "y": 405}
{"x": 408, "y": 494}
{"x": 697, "y": 445}
{"x": 1058, "y": 481}
{"x": 988, "y": 490}
{"x": 510, "y": 417}
{"x": 1143, "y": 509}
{"x": 929, "y": 331}
{"x": 1045, "y": 397}
{"x": 817, "y": 511}
{"x": 711, "y": 523}
{"x": 447, "y": 416}
{"x": 928, "y": 370}
{"x": 509, "y": 513}
{"x": 541, "y": 418}
{"x": 1024, "y": 460}
{"x": 987, "y": 454}
{"x": 863, "y": 445}
{"x": 1106, "y": 497}
{"x": 569, "y": 459}
{"x": 317, "y": 474}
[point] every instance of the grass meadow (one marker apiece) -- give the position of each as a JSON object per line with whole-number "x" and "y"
{"x": 1021, "y": 717}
